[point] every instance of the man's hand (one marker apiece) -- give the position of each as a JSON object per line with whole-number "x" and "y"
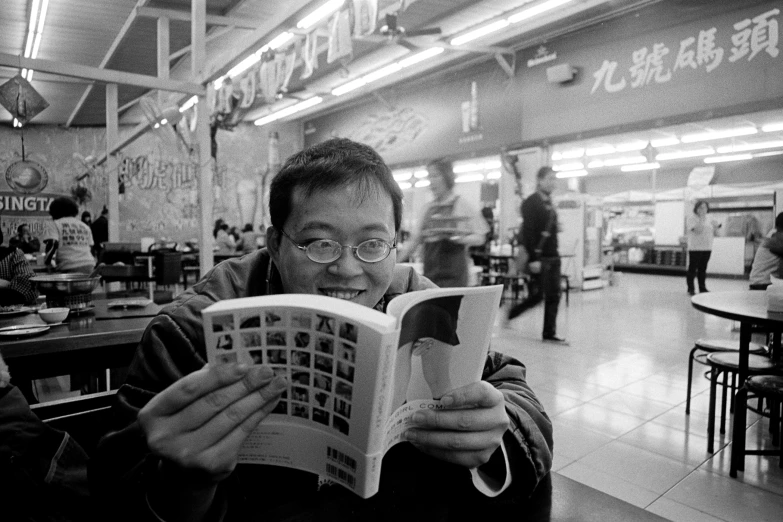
{"x": 199, "y": 423}
{"x": 467, "y": 431}
{"x": 534, "y": 267}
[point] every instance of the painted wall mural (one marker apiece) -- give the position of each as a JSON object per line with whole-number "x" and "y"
{"x": 158, "y": 180}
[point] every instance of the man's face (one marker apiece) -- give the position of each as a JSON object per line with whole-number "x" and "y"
{"x": 24, "y": 232}
{"x": 547, "y": 183}
{"x": 338, "y": 215}
{"x": 437, "y": 184}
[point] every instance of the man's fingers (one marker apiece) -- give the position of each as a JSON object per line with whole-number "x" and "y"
{"x": 207, "y": 406}
{"x": 193, "y": 386}
{"x": 461, "y": 420}
{"x": 476, "y": 395}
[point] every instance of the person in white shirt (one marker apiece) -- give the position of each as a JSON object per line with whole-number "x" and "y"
{"x": 68, "y": 240}
{"x": 700, "y": 233}
{"x": 768, "y": 260}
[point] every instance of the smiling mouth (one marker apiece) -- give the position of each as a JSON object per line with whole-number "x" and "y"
{"x": 347, "y": 295}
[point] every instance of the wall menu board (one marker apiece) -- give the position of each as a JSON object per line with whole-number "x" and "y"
{"x": 669, "y": 222}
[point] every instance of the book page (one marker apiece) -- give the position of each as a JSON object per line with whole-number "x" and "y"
{"x": 326, "y": 421}
{"x": 443, "y": 344}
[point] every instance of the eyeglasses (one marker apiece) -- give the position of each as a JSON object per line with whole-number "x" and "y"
{"x": 326, "y": 250}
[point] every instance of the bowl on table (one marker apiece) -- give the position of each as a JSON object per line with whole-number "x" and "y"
{"x": 66, "y": 284}
{"x": 54, "y": 315}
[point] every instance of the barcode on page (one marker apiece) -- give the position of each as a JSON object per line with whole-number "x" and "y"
{"x": 341, "y": 457}
{"x": 340, "y": 474}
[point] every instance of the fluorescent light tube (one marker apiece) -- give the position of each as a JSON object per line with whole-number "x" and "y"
{"x": 571, "y": 174}
{"x": 404, "y": 185}
{"x": 402, "y": 176}
{"x": 627, "y": 160}
{"x": 643, "y": 166}
{"x": 535, "y": 10}
{"x": 568, "y": 166}
{"x": 380, "y": 73}
{"x": 291, "y": 109}
{"x": 188, "y": 104}
{"x": 665, "y": 142}
{"x": 731, "y": 157}
{"x": 320, "y": 13}
{"x": 469, "y": 177}
{"x": 716, "y": 135}
{"x": 279, "y": 40}
{"x": 772, "y": 127}
{"x": 600, "y": 151}
{"x": 478, "y": 33}
{"x": 595, "y": 164}
{"x": 680, "y": 154}
{"x": 421, "y": 173}
{"x": 348, "y": 87}
{"x": 770, "y": 153}
{"x": 728, "y": 149}
{"x": 422, "y": 183}
{"x": 631, "y": 146}
{"x": 420, "y": 57}
{"x": 495, "y": 174}
{"x": 28, "y": 48}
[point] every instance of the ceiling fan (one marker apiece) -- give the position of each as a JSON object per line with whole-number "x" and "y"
{"x": 394, "y": 32}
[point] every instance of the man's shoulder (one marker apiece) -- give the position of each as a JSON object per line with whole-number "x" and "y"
{"x": 405, "y": 280}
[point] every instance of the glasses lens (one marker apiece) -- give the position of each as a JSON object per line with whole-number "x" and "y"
{"x": 323, "y": 250}
{"x": 373, "y": 250}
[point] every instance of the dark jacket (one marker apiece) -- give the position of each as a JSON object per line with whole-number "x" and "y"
{"x": 539, "y": 215}
{"x": 413, "y": 485}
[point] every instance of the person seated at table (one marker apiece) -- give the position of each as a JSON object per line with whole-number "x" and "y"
{"x": 224, "y": 242}
{"x": 768, "y": 260}
{"x": 15, "y": 274}
{"x": 248, "y": 241}
{"x": 181, "y": 423}
{"x": 25, "y": 241}
{"x": 68, "y": 240}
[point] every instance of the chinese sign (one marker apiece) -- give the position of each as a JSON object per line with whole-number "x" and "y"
{"x": 748, "y": 39}
{"x": 149, "y": 174}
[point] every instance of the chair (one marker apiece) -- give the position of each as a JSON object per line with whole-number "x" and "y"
{"x": 726, "y": 363}
{"x": 85, "y": 418}
{"x": 706, "y": 346}
{"x": 769, "y": 388}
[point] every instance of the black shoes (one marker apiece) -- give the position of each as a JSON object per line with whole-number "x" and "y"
{"x": 555, "y": 339}
{"x": 691, "y": 292}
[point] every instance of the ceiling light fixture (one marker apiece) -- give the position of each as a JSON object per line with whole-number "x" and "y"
{"x": 643, "y": 166}
{"x": 16, "y": 123}
{"x": 573, "y": 153}
{"x": 530, "y": 12}
{"x": 568, "y": 166}
{"x": 631, "y": 146}
{"x": 469, "y": 177}
{"x": 495, "y": 174}
{"x": 292, "y": 109}
{"x": 600, "y": 151}
{"x": 665, "y": 142}
{"x": 422, "y": 183}
{"x": 319, "y": 14}
{"x": 420, "y": 173}
{"x": 478, "y": 33}
{"x": 385, "y": 71}
{"x": 681, "y": 154}
{"x": 404, "y": 185}
{"x": 627, "y": 160}
{"x": 402, "y": 176}
{"x": 749, "y": 146}
{"x": 773, "y": 127}
{"x": 571, "y": 174}
{"x": 716, "y": 135}
{"x": 595, "y": 164}
{"x": 731, "y": 157}
{"x": 35, "y": 33}
{"x": 278, "y": 41}
{"x": 188, "y": 104}
{"x": 770, "y": 153}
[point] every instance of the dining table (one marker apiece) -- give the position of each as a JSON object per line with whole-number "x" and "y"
{"x": 749, "y": 308}
{"x": 104, "y": 335}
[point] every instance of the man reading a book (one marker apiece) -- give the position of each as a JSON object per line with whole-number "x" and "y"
{"x": 336, "y": 211}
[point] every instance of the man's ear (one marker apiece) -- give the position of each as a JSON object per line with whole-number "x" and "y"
{"x": 273, "y": 242}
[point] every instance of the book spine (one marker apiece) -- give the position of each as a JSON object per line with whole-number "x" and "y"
{"x": 383, "y": 390}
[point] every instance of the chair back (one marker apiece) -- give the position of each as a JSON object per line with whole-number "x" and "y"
{"x": 85, "y": 418}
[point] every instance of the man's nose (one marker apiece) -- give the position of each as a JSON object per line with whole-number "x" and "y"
{"x": 347, "y": 265}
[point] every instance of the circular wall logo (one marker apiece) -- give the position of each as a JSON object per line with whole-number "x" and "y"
{"x": 26, "y": 177}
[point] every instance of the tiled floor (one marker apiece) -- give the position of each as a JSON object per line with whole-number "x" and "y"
{"x": 616, "y": 397}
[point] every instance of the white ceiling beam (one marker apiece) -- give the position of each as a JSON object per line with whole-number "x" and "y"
{"x": 184, "y": 16}
{"x": 108, "y": 56}
{"x": 74, "y": 70}
{"x": 211, "y": 36}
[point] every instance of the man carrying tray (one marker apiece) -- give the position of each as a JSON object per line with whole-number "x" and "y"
{"x": 335, "y": 211}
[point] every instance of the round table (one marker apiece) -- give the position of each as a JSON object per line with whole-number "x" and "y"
{"x": 749, "y": 307}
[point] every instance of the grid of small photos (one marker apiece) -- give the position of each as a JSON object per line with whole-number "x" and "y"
{"x": 315, "y": 351}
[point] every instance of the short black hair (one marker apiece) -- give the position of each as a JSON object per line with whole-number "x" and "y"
{"x": 338, "y": 162}
{"x": 700, "y": 203}
{"x": 247, "y": 228}
{"x": 544, "y": 172}
{"x": 63, "y": 206}
{"x": 445, "y": 168}
{"x": 19, "y": 228}
{"x": 779, "y": 221}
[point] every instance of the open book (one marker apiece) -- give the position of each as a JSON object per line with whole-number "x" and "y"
{"x": 356, "y": 375}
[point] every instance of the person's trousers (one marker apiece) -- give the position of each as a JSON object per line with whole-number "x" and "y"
{"x": 697, "y": 267}
{"x": 544, "y": 286}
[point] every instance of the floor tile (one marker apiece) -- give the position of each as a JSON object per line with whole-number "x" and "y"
{"x": 610, "y": 484}
{"x": 669, "y": 442}
{"x": 598, "y": 419}
{"x": 576, "y": 442}
{"x": 677, "y": 512}
{"x": 623, "y": 402}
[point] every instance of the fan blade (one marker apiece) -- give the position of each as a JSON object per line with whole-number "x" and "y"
{"x": 423, "y": 32}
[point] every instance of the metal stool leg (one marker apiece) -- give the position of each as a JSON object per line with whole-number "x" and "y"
{"x": 711, "y": 415}
{"x": 723, "y": 401}
{"x": 690, "y": 378}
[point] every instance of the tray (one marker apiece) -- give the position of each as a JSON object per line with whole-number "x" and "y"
{"x": 23, "y": 330}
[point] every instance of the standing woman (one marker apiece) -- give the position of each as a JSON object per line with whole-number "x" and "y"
{"x": 68, "y": 240}
{"x": 700, "y": 232}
